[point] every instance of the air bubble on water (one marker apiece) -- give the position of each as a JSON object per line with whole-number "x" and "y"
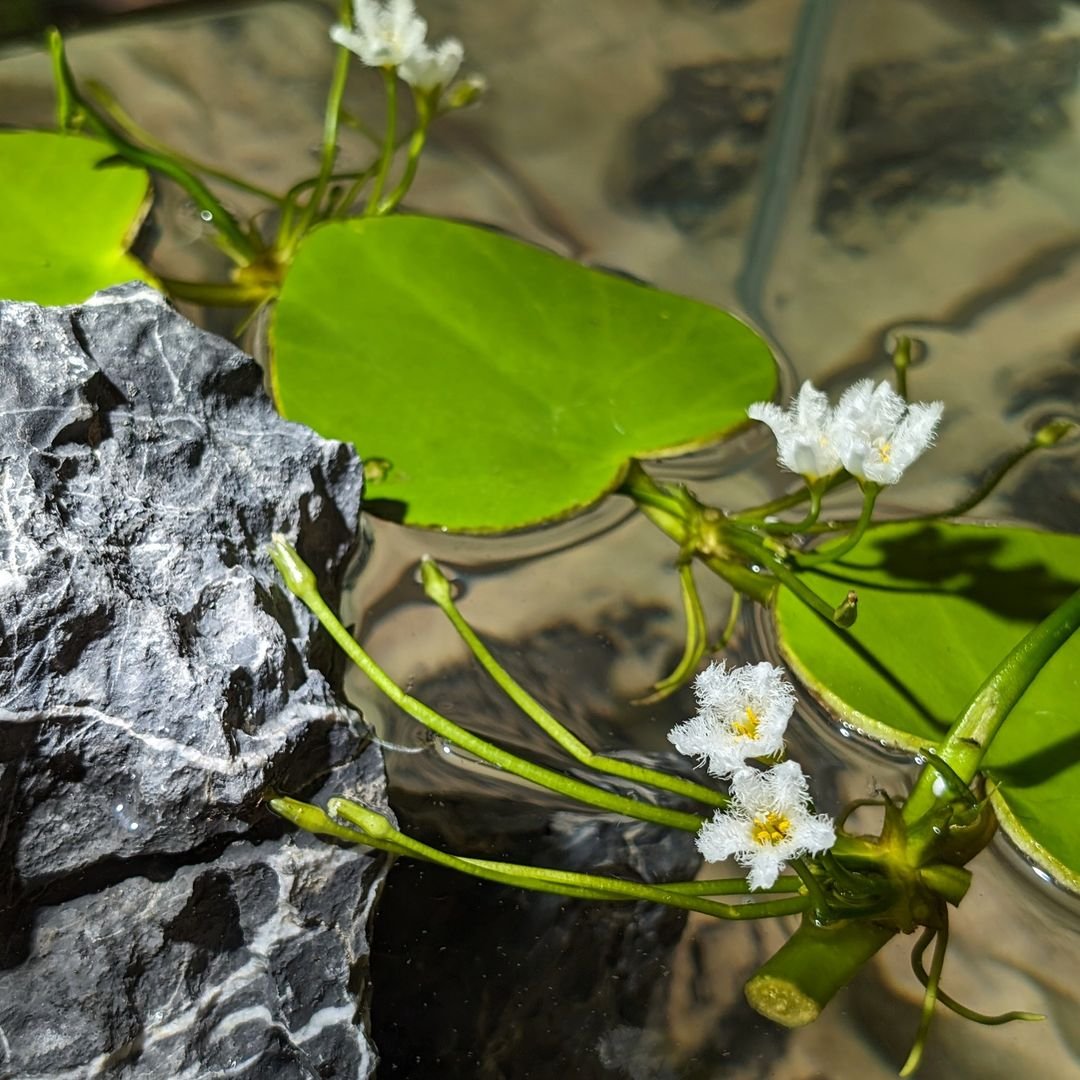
{"x": 206, "y": 215}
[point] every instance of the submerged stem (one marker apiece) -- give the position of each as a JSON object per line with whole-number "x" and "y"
{"x": 952, "y": 1003}
{"x": 940, "y": 937}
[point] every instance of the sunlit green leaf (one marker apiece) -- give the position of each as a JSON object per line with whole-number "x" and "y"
{"x": 939, "y": 607}
{"x": 66, "y": 217}
{"x": 506, "y": 385}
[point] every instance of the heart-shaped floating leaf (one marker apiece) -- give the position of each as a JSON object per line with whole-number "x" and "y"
{"x": 939, "y": 607}
{"x": 66, "y": 219}
{"x": 506, "y": 385}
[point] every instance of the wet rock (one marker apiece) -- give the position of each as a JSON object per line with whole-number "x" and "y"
{"x": 155, "y": 682}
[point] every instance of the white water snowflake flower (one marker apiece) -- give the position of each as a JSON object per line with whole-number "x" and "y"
{"x": 878, "y": 434}
{"x": 382, "y": 36}
{"x": 428, "y": 69}
{"x": 768, "y": 822}
{"x": 804, "y": 432}
{"x": 742, "y": 714}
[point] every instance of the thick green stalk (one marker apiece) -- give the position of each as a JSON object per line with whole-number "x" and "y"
{"x": 437, "y": 588}
{"x": 967, "y": 741}
{"x": 301, "y": 581}
{"x": 795, "y": 984}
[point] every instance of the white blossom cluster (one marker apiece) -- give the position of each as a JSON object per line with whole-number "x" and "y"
{"x": 742, "y": 716}
{"x": 872, "y": 432}
{"x": 394, "y": 36}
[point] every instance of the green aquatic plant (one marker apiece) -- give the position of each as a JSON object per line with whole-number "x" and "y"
{"x": 492, "y": 386}
{"x": 855, "y": 892}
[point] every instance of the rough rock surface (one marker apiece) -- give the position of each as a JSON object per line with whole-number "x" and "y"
{"x": 155, "y": 682}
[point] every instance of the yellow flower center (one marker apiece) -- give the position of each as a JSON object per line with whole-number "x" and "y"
{"x": 770, "y": 829}
{"x": 885, "y": 451}
{"x": 746, "y": 728}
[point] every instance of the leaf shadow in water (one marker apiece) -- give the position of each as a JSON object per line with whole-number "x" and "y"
{"x": 1037, "y": 767}
{"x": 935, "y": 562}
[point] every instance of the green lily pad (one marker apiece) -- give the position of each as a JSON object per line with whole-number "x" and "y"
{"x": 505, "y": 385}
{"x": 66, "y": 218}
{"x": 939, "y": 607}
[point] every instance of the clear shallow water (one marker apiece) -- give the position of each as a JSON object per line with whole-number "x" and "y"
{"x": 937, "y": 198}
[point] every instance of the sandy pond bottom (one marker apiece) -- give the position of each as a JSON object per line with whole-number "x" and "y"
{"x": 941, "y": 203}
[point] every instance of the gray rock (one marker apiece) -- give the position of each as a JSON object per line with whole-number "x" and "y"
{"x": 156, "y": 682}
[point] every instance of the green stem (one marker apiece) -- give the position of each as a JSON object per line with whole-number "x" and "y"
{"x": 329, "y": 149}
{"x": 669, "y": 509}
{"x": 786, "y": 502}
{"x": 389, "y": 146}
{"x": 901, "y": 361}
{"x": 794, "y": 985}
{"x": 732, "y": 622}
{"x": 438, "y": 589}
{"x": 233, "y": 239}
{"x": 790, "y": 528}
{"x": 1047, "y": 436}
{"x": 967, "y": 741}
{"x": 120, "y": 117}
{"x": 416, "y": 147}
{"x": 695, "y": 528}
{"x": 750, "y": 545}
{"x": 345, "y": 203}
{"x": 381, "y": 835}
{"x": 545, "y": 879}
{"x": 937, "y": 962}
{"x": 291, "y": 197}
{"x": 952, "y": 1003}
{"x": 697, "y": 640}
{"x": 813, "y": 889}
{"x": 301, "y": 581}
{"x": 214, "y": 295}
{"x": 836, "y": 551}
